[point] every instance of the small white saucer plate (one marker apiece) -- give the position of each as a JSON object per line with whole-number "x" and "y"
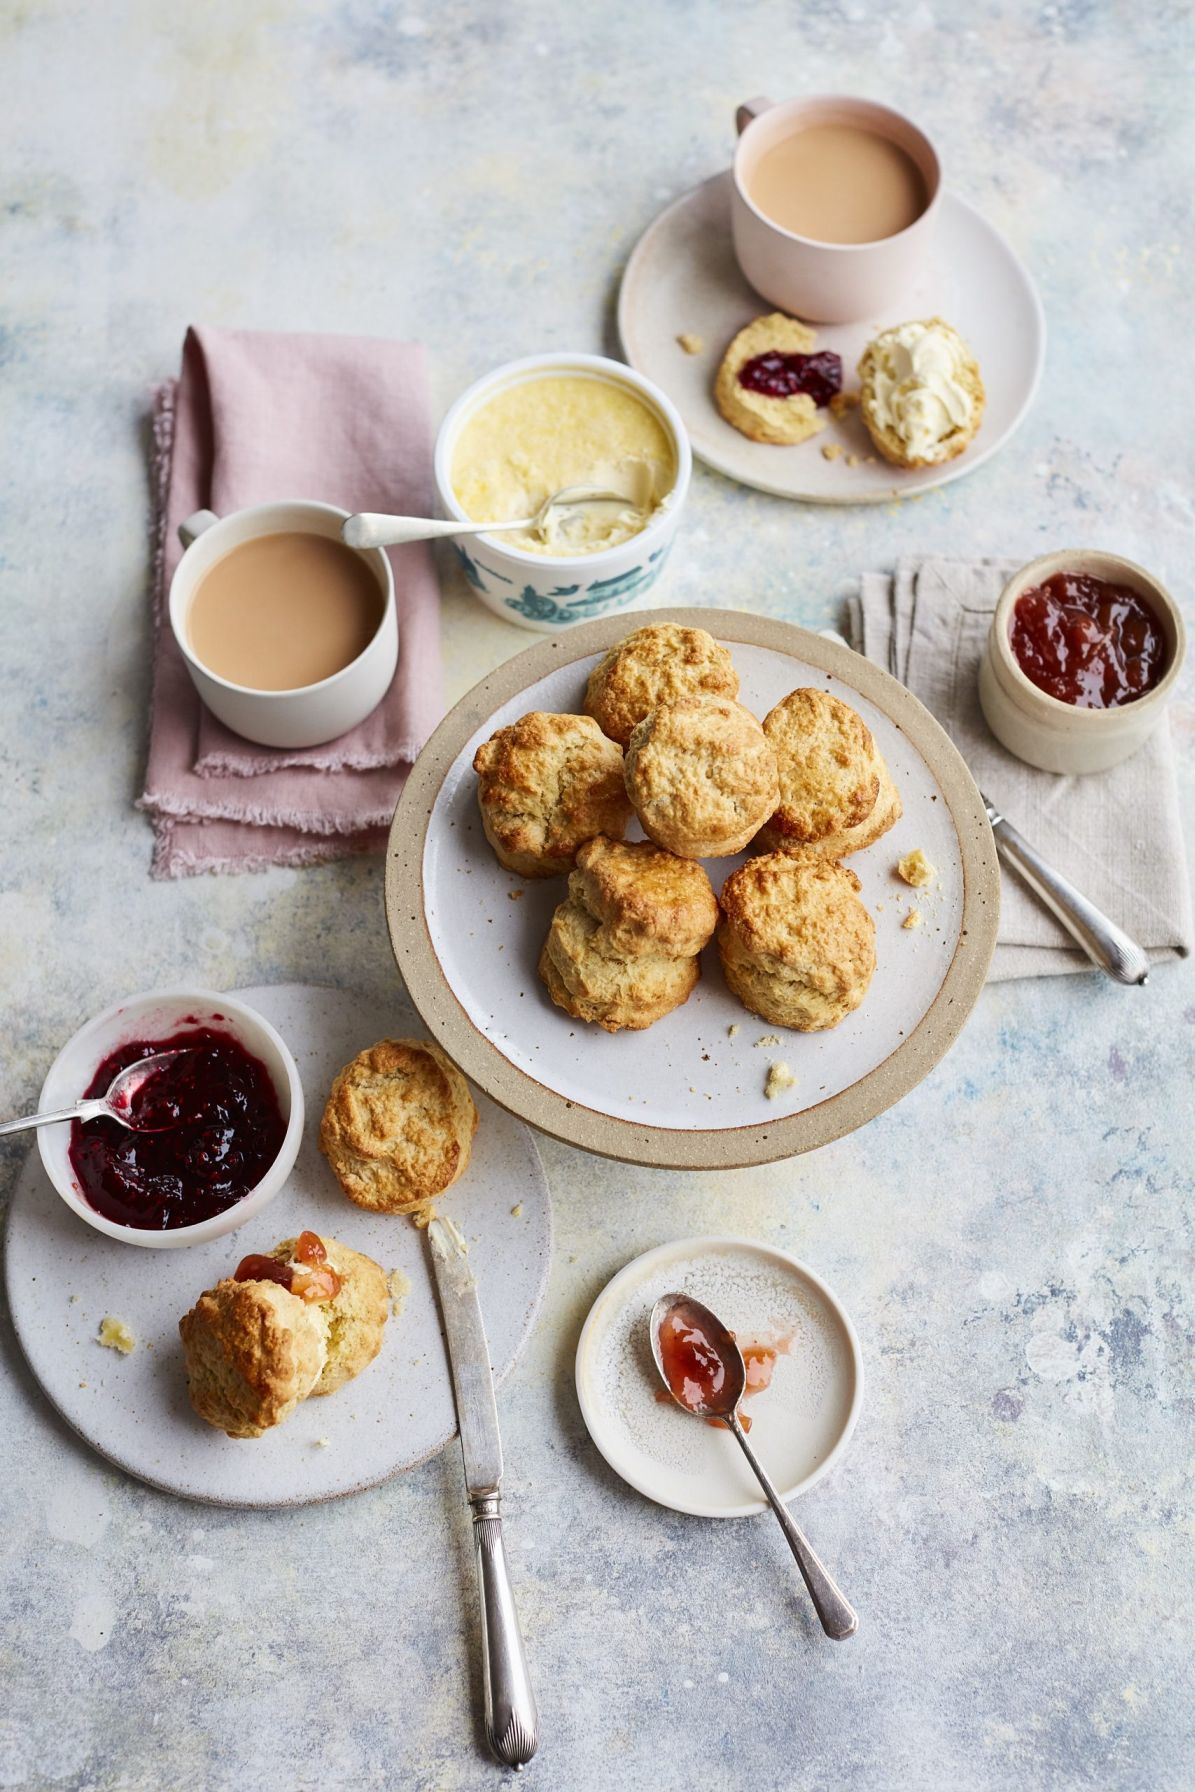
{"x": 63, "y": 1279}
{"x": 799, "y": 1425}
{"x": 682, "y": 279}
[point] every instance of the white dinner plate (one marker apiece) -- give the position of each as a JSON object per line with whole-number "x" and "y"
{"x": 799, "y": 1425}
{"x": 63, "y": 1279}
{"x": 682, "y": 279}
{"x": 689, "y": 1091}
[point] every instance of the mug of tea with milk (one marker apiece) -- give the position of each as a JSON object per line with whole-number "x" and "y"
{"x": 833, "y": 205}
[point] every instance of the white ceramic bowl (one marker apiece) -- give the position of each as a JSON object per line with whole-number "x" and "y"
{"x": 156, "y": 1015}
{"x": 309, "y": 714}
{"x": 1057, "y": 736}
{"x": 548, "y": 592}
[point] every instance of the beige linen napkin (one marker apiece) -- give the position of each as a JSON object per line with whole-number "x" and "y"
{"x": 1116, "y": 834}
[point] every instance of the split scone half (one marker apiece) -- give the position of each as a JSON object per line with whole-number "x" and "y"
{"x": 786, "y": 420}
{"x": 836, "y": 793}
{"x": 796, "y": 943}
{"x": 922, "y": 395}
{"x": 301, "y": 1321}
{"x": 654, "y": 665}
{"x": 546, "y": 784}
{"x": 398, "y": 1128}
{"x": 623, "y": 948}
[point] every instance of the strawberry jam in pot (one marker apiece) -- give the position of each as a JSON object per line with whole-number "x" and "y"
{"x": 1087, "y": 642}
{"x": 779, "y": 374}
{"x": 221, "y": 1126}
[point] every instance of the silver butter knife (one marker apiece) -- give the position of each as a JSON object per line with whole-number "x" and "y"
{"x": 1104, "y": 942}
{"x": 511, "y": 1719}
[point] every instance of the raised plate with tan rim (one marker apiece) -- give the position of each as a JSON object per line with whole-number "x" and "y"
{"x": 689, "y": 1091}
{"x": 682, "y": 278}
{"x": 63, "y": 1278}
{"x": 799, "y": 1425}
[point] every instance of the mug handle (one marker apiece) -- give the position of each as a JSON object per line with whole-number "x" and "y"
{"x": 195, "y": 524}
{"x": 749, "y": 110}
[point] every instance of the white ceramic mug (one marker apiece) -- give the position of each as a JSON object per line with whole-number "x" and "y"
{"x": 311, "y": 713}
{"x": 827, "y": 282}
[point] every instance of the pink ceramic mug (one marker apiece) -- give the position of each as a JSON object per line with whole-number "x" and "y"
{"x": 827, "y": 282}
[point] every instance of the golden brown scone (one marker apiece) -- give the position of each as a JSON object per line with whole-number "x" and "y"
{"x": 646, "y": 901}
{"x": 253, "y": 1350}
{"x": 836, "y": 795}
{"x": 355, "y": 1318}
{"x": 399, "y": 1124}
{"x": 546, "y": 784}
{"x": 797, "y": 945}
{"x": 594, "y": 984}
{"x": 653, "y": 666}
{"x": 702, "y": 776}
{"x": 922, "y": 398}
{"x": 785, "y": 421}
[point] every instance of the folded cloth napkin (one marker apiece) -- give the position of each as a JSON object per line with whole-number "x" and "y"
{"x": 1117, "y": 834}
{"x": 256, "y": 416}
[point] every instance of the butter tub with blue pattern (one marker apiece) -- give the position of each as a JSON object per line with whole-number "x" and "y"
{"x": 533, "y": 427}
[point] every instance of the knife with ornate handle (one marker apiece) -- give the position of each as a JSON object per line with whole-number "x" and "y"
{"x": 511, "y": 1719}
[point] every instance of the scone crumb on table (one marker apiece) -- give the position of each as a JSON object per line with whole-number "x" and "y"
{"x": 114, "y": 1334}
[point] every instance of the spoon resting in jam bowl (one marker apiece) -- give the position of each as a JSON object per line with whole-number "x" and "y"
{"x": 116, "y": 1103}
{"x": 702, "y": 1367}
{"x": 559, "y": 512}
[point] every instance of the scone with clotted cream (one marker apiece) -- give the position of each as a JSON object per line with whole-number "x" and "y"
{"x": 922, "y": 397}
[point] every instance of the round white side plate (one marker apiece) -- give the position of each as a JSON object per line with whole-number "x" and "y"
{"x": 682, "y": 278}
{"x": 799, "y": 1425}
{"x": 63, "y": 1278}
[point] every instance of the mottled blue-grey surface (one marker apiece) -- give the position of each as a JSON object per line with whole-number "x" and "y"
{"x": 1014, "y": 1517}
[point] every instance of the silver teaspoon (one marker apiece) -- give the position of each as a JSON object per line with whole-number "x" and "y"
{"x": 709, "y": 1367}
{"x": 375, "y": 529}
{"x": 116, "y": 1104}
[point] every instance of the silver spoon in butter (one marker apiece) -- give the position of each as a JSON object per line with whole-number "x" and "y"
{"x": 559, "y": 512}
{"x": 702, "y": 1367}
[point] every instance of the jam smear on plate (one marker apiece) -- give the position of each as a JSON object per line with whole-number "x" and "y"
{"x": 223, "y": 1130}
{"x": 1086, "y": 641}
{"x": 310, "y": 1275}
{"x": 778, "y": 374}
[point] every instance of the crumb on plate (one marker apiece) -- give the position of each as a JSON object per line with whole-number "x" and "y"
{"x": 516, "y": 895}
{"x": 912, "y": 919}
{"x": 915, "y": 869}
{"x": 516, "y": 1211}
{"x": 732, "y": 1030}
{"x": 844, "y": 401}
{"x": 398, "y": 1287}
{"x": 691, "y": 344}
{"x": 852, "y": 460}
{"x": 831, "y": 450}
{"x": 768, "y": 1039}
{"x": 114, "y": 1334}
{"x": 780, "y": 1077}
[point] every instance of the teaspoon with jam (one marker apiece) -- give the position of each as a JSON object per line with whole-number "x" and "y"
{"x": 702, "y": 1367}
{"x": 115, "y": 1104}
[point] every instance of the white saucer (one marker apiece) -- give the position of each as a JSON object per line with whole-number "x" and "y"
{"x": 682, "y": 278}
{"x": 63, "y": 1278}
{"x": 799, "y": 1425}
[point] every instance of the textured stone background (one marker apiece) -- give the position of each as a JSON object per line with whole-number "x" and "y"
{"x": 1014, "y": 1517}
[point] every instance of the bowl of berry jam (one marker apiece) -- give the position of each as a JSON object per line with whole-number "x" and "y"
{"x": 1083, "y": 651}
{"x": 213, "y": 1136}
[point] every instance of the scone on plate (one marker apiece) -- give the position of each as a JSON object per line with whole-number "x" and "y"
{"x": 546, "y": 784}
{"x": 796, "y": 943}
{"x": 922, "y": 397}
{"x": 622, "y": 950}
{"x": 301, "y": 1321}
{"x": 651, "y": 666}
{"x": 702, "y": 776}
{"x": 772, "y": 386}
{"x": 399, "y": 1124}
{"x": 836, "y": 793}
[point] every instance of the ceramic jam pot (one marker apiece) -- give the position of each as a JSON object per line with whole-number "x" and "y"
{"x": 546, "y": 592}
{"x": 1057, "y": 736}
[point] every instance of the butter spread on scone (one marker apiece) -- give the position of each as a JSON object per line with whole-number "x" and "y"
{"x": 702, "y": 776}
{"x": 796, "y": 943}
{"x": 546, "y": 784}
{"x": 771, "y": 384}
{"x": 399, "y": 1124}
{"x": 654, "y": 665}
{"x": 836, "y": 794}
{"x": 922, "y": 396}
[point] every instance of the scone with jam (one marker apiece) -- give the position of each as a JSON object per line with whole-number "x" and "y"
{"x": 772, "y": 385}
{"x": 545, "y": 785}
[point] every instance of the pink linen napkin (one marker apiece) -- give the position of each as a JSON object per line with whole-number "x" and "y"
{"x": 256, "y": 416}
